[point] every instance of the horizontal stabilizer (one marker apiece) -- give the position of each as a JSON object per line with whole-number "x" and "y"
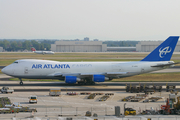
{"x": 164, "y": 65}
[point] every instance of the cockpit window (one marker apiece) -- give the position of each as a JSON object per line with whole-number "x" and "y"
{"x": 15, "y": 62}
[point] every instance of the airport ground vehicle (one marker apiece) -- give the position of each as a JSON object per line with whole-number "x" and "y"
{"x": 150, "y": 112}
{"x": 165, "y": 109}
{"x": 172, "y": 97}
{"x": 152, "y": 88}
{"x": 104, "y": 98}
{"x": 143, "y": 88}
{"x": 158, "y": 88}
{"x": 55, "y": 92}
{"x": 33, "y": 99}
{"x": 129, "y": 111}
{"x": 171, "y": 109}
{"x": 146, "y": 101}
{"x": 134, "y": 89}
{"x": 149, "y": 89}
{"x": 174, "y": 91}
{"x": 170, "y": 87}
{"x": 72, "y": 93}
{"x": 6, "y": 90}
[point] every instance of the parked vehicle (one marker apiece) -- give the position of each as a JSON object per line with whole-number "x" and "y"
{"x": 129, "y": 111}
{"x": 6, "y": 90}
{"x": 146, "y": 101}
{"x": 174, "y": 91}
{"x": 55, "y": 92}
{"x": 170, "y": 87}
{"x": 33, "y": 99}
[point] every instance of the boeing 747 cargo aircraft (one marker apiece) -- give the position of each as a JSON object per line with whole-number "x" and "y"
{"x": 91, "y": 72}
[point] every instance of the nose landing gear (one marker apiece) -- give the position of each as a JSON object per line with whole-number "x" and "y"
{"x": 21, "y": 83}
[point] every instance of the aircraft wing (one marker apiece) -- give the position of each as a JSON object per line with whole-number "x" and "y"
{"x": 86, "y": 74}
{"x": 164, "y": 65}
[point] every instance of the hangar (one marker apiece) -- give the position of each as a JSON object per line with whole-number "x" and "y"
{"x": 78, "y": 46}
{"x": 148, "y": 46}
{"x": 121, "y": 49}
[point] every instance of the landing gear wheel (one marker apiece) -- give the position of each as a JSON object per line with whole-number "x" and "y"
{"x": 92, "y": 83}
{"x": 80, "y": 83}
{"x": 89, "y": 82}
{"x": 21, "y": 83}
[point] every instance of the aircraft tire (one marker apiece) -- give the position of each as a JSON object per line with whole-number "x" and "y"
{"x": 21, "y": 83}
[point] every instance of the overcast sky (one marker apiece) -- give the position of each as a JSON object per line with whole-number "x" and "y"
{"x": 96, "y": 19}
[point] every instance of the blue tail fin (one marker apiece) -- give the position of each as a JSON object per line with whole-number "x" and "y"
{"x": 164, "y": 51}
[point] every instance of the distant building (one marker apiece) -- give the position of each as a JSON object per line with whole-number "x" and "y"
{"x": 79, "y": 46}
{"x": 95, "y": 40}
{"x": 86, "y": 39}
{"x": 1, "y": 49}
{"x": 149, "y": 46}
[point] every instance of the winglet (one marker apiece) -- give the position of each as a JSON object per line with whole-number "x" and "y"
{"x": 164, "y": 51}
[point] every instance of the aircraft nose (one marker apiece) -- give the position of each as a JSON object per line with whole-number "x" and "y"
{"x": 4, "y": 70}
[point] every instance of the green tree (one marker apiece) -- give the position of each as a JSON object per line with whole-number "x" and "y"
{"x": 6, "y": 44}
{"x": 27, "y": 45}
{"x": 14, "y": 46}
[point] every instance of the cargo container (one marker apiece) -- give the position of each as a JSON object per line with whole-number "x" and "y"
{"x": 54, "y": 92}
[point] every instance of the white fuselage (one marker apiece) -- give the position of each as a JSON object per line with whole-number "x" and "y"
{"x": 39, "y": 69}
{"x": 44, "y": 52}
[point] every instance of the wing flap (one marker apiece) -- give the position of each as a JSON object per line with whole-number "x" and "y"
{"x": 56, "y": 74}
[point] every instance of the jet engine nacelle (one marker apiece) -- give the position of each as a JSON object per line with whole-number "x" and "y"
{"x": 99, "y": 78}
{"x": 72, "y": 79}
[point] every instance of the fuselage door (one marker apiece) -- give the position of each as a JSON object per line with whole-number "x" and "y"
{"x": 142, "y": 70}
{"x": 26, "y": 70}
{"x": 116, "y": 67}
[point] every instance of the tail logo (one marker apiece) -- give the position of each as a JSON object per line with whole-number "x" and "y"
{"x": 164, "y": 51}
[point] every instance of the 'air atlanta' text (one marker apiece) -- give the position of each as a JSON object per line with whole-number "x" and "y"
{"x": 56, "y": 66}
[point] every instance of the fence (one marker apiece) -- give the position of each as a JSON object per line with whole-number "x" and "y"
{"x": 78, "y": 113}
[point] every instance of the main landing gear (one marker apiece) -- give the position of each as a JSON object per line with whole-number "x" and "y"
{"x": 21, "y": 83}
{"x": 86, "y": 82}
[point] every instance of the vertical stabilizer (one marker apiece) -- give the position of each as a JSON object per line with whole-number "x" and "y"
{"x": 33, "y": 49}
{"x": 164, "y": 51}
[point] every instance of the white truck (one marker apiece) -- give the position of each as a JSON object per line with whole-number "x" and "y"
{"x": 33, "y": 99}
{"x": 54, "y": 92}
{"x": 6, "y": 90}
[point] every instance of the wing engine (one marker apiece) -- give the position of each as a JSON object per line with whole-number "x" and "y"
{"x": 71, "y": 79}
{"x": 99, "y": 78}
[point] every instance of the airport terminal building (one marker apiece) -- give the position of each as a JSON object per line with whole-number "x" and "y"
{"x": 78, "y": 46}
{"x": 148, "y": 46}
